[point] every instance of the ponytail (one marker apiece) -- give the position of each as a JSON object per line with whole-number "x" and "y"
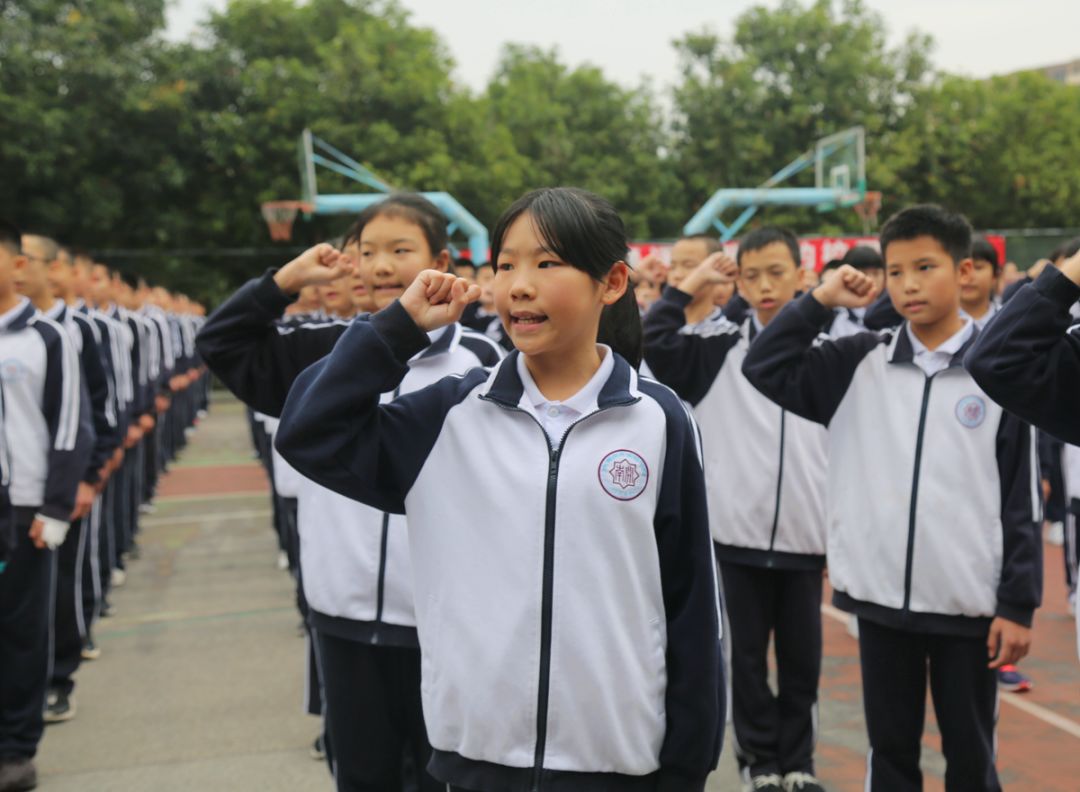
{"x": 620, "y": 327}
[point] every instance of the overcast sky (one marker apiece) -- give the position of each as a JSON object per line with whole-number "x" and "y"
{"x": 629, "y": 39}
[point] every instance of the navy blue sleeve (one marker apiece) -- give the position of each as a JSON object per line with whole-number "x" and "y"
{"x": 1020, "y": 586}
{"x": 96, "y": 387}
{"x": 334, "y": 431}
{"x": 60, "y": 404}
{"x": 1012, "y": 289}
{"x": 686, "y": 362}
{"x": 488, "y": 352}
{"x": 695, "y": 698}
{"x": 243, "y": 345}
{"x": 1027, "y": 360}
{"x": 805, "y": 378}
{"x": 882, "y": 314}
{"x": 7, "y": 521}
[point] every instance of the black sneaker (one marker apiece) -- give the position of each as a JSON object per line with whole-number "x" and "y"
{"x": 17, "y": 774}
{"x": 767, "y": 782}
{"x": 802, "y": 782}
{"x": 60, "y": 708}
{"x": 106, "y": 611}
{"x": 318, "y": 753}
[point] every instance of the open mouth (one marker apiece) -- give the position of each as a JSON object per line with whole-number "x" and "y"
{"x": 526, "y": 320}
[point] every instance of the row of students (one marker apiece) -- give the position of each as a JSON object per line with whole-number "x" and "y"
{"x": 75, "y": 361}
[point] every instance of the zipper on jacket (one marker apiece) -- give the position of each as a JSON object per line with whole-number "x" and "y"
{"x": 779, "y": 483}
{"x": 909, "y": 562}
{"x": 380, "y": 595}
{"x": 547, "y": 595}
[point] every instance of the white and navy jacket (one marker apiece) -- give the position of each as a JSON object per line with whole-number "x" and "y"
{"x": 565, "y": 595}
{"x": 1028, "y": 358}
{"x": 765, "y": 468}
{"x": 86, "y": 339}
{"x": 933, "y": 498}
{"x": 355, "y": 565}
{"x": 40, "y": 370}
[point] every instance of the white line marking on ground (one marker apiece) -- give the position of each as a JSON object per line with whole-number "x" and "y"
{"x": 1068, "y": 726}
{"x": 152, "y": 522}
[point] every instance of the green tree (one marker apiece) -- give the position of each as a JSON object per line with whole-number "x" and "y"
{"x": 575, "y": 127}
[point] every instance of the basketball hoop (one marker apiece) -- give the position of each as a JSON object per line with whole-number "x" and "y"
{"x": 867, "y": 210}
{"x": 279, "y": 217}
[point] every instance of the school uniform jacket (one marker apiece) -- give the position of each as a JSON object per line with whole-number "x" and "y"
{"x": 1028, "y": 358}
{"x": 566, "y": 597}
{"x": 95, "y": 388}
{"x": 41, "y": 413}
{"x": 933, "y": 503}
{"x": 355, "y": 565}
{"x": 765, "y": 468}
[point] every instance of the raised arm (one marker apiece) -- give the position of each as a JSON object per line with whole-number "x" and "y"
{"x": 1028, "y": 360}
{"x": 802, "y": 376}
{"x": 242, "y": 343}
{"x": 334, "y": 430}
{"x": 687, "y": 360}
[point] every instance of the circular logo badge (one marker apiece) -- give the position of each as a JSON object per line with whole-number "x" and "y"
{"x": 13, "y": 370}
{"x": 623, "y": 475}
{"x": 971, "y": 411}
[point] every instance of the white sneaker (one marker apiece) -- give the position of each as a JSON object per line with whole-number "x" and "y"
{"x": 118, "y": 578}
{"x": 853, "y": 626}
{"x": 1072, "y": 603}
{"x": 802, "y": 782}
{"x": 1055, "y": 535}
{"x": 767, "y": 783}
{"x": 282, "y": 560}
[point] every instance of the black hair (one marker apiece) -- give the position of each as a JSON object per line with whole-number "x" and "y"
{"x": 413, "y": 207}
{"x": 769, "y": 235}
{"x": 10, "y": 236}
{"x": 864, "y": 257}
{"x": 951, "y": 229}
{"x": 981, "y": 249}
{"x": 833, "y": 264}
{"x": 712, "y": 244}
{"x": 1070, "y": 248}
{"x": 586, "y": 232}
{"x": 460, "y": 263}
{"x": 129, "y": 278}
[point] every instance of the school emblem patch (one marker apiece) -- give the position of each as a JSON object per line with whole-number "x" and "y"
{"x": 971, "y": 411}
{"x": 13, "y": 370}
{"x": 623, "y": 475}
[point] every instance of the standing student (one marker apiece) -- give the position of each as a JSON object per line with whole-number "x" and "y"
{"x": 69, "y": 627}
{"x": 978, "y": 292}
{"x": 354, "y": 559}
{"x": 932, "y": 496}
{"x": 568, "y": 619}
{"x": 765, "y": 474}
{"x": 42, "y": 420}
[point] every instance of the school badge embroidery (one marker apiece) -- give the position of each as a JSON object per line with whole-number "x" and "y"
{"x": 971, "y": 411}
{"x": 623, "y": 475}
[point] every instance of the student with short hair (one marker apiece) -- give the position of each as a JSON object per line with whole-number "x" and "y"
{"x": 765, "y": 475}
{"x": 978, "y": 292}
{"x": 70, "y": 628}
{"x": 569, "y": 619}
{"x": 933, "y": 501}
{"x": 42, "y": 421}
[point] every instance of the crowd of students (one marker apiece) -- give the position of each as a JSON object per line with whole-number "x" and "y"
{"x": 99, "y": 385}
{"x": 547, "y": 514}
